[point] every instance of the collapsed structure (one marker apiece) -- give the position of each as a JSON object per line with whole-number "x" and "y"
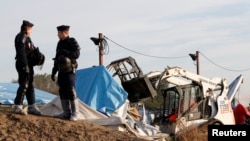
{"x": 103, "y": 101}
{"x": 192, "y": 98}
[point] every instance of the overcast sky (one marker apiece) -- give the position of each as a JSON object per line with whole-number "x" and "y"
{"x": 218, "y": 29}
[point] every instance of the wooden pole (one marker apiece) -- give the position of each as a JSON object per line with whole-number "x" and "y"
{"x": 100, "y": 49}
{"x": 197, "y": 62}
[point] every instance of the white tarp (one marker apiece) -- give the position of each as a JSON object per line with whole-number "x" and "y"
{"x": 234, "y": 87}
{"x": 104, "y": 102}
{"x": 86, "y": 112}
{"x": 119, "y": 120}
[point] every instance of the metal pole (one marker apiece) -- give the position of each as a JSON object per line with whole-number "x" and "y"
{"x": 100, "y": 49}
{"x": 197, "y": 62}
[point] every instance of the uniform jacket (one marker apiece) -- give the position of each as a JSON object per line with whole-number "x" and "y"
{"x": 24, "y": 47}
{"x": 68, "y": 48}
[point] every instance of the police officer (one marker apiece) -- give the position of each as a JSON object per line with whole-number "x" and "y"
{"x": 67, "y": 52}
{"x": 24, "y": 67}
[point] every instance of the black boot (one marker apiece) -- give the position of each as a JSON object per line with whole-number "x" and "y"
{"x": 32, "y": 109}
{"x": 75, "y": 110}
{"x": 66, "y": 110}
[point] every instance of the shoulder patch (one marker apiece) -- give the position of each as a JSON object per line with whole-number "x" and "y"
{"x": 21, "y": 38}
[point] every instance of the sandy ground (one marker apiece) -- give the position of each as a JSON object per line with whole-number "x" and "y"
{"x": 42, "y": 128}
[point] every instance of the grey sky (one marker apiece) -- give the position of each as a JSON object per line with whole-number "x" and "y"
{"x": 218, "y": 29}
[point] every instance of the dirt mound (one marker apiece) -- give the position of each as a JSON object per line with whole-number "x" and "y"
{"x": 42, "y": 128}
{"x": 194, "y": 134}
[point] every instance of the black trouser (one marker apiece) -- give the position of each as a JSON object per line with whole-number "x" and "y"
{"x": 66, "y": 82}
{"x": 26, "y": 88}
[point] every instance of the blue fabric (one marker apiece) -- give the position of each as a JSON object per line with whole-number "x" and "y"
{"x": 8, "y": 94}
{"x": 98, "y": 89}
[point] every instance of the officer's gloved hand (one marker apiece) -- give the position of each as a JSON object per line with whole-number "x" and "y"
{"x": 53, "y": 77}
{"x": 26, "y": 69}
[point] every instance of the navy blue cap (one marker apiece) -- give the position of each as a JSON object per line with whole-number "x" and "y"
{"x": 63, "y": 28}
{"x": 27, "y": 24}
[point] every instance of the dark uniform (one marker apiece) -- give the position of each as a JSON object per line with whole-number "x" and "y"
{"x": 24, "y": 48}
{"x": 65, "y": 63}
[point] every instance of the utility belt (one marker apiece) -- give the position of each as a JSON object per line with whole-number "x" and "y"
{"x": 67, "y": 65}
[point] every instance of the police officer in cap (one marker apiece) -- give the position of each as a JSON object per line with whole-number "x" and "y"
{"x": 67, "y": 52}
{"x": 24, "y": 67}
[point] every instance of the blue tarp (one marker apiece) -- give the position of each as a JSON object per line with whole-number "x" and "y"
{"x": 94, "y": 86}
{"x": 98, "y": 89}
{"x": 8, "y": 94}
